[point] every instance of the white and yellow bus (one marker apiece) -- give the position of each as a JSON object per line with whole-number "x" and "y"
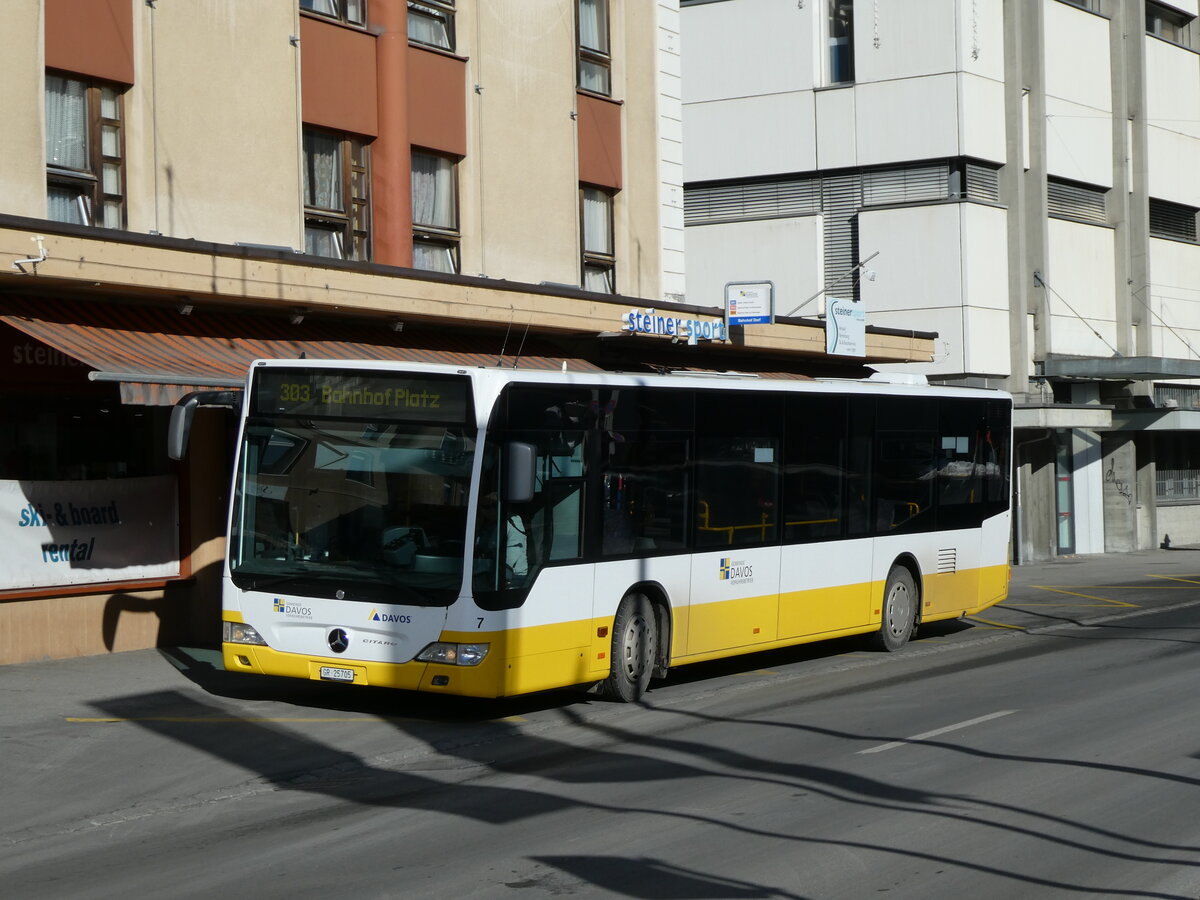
{"x": 489, "y": 532}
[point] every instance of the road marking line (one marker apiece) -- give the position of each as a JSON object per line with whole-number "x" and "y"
{"x": 938, "y": 731}
{"x": 222, "y": 720}
{"x": 1194, "y": 579}
{"x": 1104, "y": 600}
{"x": 995, "y": 624}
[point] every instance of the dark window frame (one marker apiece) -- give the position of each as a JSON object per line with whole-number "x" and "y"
{"x": 352, "y": 223}
{"x": 343, "y": 13}
{"x": 1170, "y": 25}
{"x": 594, "y": 59}
{"x": 432, "y": 235}
{"x": 89, "y": 181}
{"x": 594, "y": 260}
{"x": 435, "y": 10}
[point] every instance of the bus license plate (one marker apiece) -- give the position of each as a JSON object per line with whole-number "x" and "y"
{"x": 332, "y": 673}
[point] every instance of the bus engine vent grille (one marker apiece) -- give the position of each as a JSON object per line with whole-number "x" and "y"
{"x": 947, "y": 561}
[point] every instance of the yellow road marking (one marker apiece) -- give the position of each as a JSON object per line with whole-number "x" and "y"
{"x": 1194, "y": 579}
{"x": 224, "y": 720}
{"x": 995, "y": 624}
{"x": 1105, "y": 600}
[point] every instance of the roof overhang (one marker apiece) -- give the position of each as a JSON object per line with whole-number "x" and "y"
{"x": 1120, "y": 368}
{"x": 1063, "y": 415}
{"x": 1156, "y": 420}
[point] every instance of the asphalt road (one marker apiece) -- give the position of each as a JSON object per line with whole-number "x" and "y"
{"x": 1049, "y": 749}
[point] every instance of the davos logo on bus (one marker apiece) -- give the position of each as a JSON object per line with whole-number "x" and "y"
{"x": 291, "y": 610}
{"x": 736, "y": 571}
{"x": 390, "y": 617}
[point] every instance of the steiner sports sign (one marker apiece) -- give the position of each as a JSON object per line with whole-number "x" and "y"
{"x": 83, "y": 532}
{"x": 647, "y": 321}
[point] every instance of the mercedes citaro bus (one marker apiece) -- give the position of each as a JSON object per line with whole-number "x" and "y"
{"x": 491, "y": 531}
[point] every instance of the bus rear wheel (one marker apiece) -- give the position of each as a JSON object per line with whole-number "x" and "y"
{"x": 899, "y": 610}
{"x": 634, "y": 643}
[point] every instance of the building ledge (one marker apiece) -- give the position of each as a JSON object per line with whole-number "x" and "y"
{"x": 1120, "y": 368}
{"x": 1062, "y": 415}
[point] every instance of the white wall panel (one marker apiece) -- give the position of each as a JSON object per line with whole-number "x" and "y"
{"x": 748, "y": 47}
{"x": 946, "y": 323}
{"x": 750, "y": 136}
{"x": 1174, "y": 164}
{"x": 981, "y": 102}
{"x": 1081, "y": 273}
{"x": 1077, "y": 56}
{"x": 916, "y": 37}
{"x": 919, "y": 265}
{"x": 986, "y": 341}
{"x": 981, "y": 38}
{"x": 785, "y": 251}
{"x": 985, "y": 256}
{"x": 1079, "y": 142}
{"x": 1172, "y": 87}
{"x": 836, "y": 132}
{"x": 916, "y": 118}
{"x": 1174, "y": 297}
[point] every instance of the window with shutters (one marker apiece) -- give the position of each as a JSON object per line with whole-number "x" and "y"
{"x": 85, "y": 172}
{"x": 1073, "y": 200}
{"x": 1173, "y": 221}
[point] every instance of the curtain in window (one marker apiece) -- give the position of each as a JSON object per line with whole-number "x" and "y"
{"x": 325, "y": 7}
{"x": 433, "y": 257}
{"x": 428, "y": 27}
{"x": 66, "y": 123}
{"x": 433, "y": 191}
{"x": 593, "y": 25}
{"x": 597, "y": 222}
{"x": 323, "y": 171}
{"x": 66, "y": 204}
{"x": 599, "y": 279}
{"x": 323, "y": 242}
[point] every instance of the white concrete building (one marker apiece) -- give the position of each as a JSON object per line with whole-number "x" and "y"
{"x": 1017, "y": 176}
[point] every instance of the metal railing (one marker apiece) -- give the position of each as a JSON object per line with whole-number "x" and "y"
{"x": 1177, "y": 484}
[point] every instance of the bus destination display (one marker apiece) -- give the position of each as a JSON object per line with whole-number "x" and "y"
{"x": 361, "y": 395}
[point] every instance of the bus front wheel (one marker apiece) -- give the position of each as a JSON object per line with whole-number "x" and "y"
{"x": 634, "y": 642}
{"x": 899, "y": 610}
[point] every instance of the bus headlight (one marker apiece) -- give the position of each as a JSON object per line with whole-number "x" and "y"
{"x": 454, "y": 654}
{"x": 241, "y": 633}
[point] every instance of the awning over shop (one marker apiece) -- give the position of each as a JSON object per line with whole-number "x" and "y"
{"x": 1120, "y": 368}
{"x": 157, "y": 354}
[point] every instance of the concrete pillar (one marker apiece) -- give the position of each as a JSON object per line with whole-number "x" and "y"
{"x": 1120, "y": 493}
{"x": 1034, "y": 509}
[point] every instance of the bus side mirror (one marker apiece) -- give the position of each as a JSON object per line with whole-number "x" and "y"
{"x": 180, "y": 427}
{"x": 520, "y": 471}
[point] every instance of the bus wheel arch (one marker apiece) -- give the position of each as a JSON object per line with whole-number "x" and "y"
{"x": 635, "y": 647}
{"x": 901, "y": 607}
{"x": 657, "y": 595}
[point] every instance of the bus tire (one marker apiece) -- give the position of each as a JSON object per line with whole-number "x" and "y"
{"x": 899, "y": 610}
{"x": 634, "y": 643}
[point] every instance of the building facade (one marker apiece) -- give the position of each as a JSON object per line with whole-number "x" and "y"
{"x": 185, "y": 187}
{"x": 1020, "y": 177}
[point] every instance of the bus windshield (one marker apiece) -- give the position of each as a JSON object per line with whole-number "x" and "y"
{"x": 352, "y": 508}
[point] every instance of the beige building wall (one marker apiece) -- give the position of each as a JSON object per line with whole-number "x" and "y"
{"x": 213, "y": 122}
{"x": 639, "y": 237}
{"x": 22, "y": 110}
{"x": 518, "y": 185}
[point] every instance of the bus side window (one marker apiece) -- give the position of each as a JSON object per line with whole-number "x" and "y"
{"x": 814, "y": 468}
